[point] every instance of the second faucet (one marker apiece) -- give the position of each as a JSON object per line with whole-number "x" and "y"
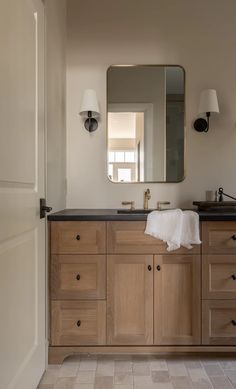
{"x": 147, "y": 196}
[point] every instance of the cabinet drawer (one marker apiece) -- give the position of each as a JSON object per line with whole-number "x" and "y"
{"x": 219, "y": 237}
{"x": 78, "y": 237}
{"x": 78, "y": 323}
{"x": 219, "y": 322}
{"x": 128, "y": 238}
{"x": 219, "y": 277}
{"x": 78, "y": 277}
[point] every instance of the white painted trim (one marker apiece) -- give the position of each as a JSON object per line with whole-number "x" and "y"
{"x": 147, "y": 108}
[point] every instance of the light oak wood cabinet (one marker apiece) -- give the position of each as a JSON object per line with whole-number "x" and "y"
{"x": 130, "y": 299}
{"x": 177, "y": 299}
{"x": 113, "y": 288}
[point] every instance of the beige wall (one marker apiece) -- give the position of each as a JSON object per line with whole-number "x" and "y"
{"x": 55, "y": 102}
{"x": 200, "y": 36}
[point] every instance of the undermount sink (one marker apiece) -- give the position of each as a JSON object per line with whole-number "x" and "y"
{"x": 142, "y": 211}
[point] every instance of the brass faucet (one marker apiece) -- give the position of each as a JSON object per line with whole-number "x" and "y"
{"x": 147, "y": 196}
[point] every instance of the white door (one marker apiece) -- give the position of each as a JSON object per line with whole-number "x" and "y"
{"x": 22, "y": 233}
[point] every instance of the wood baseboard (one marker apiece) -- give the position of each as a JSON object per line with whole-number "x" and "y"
{"x": 57, "y": 354}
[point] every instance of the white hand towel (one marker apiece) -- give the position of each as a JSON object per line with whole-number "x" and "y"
{"x": 190, "y": 229}
{"x": 175, "y": 227}
{"x": 167, "y": 226}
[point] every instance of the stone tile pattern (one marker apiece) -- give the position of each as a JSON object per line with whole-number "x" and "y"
{"x": 141, "y": 372}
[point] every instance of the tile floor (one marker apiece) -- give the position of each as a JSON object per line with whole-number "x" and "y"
{"x": 141, "y": 372}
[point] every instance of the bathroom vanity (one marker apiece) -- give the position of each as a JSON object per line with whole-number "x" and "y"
{"x": 115, "y": 289}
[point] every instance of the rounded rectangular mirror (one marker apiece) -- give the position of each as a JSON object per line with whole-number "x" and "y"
{"x": 145, "y": 123}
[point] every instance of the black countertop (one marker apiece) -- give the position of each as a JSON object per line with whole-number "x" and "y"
{"x": 111, "y": 214}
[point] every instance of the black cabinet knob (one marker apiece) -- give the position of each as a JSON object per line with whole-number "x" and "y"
{"x": 78, "y": 277}
{"x": 233, "y": 276}
{"x": 78, "y": 323}
{"x": 149, "y": 267}
{"x": 233, "y": 322}
{"x": 78, "y": 237}
{"x": 158, "y": 267}
{"x": 233, "y": 237}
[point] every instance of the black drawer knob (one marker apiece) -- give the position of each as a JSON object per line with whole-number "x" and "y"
{"x": 233, "y": 322}
{"x": 78, "y": 237}
{"x": 233, "y": 276}
{"x": 78, "y": 277}
{"x": 78, "y": 323}
{"x": 149, "y": 267}
{"x": 158, "y": 267}
{"x": 234, "y": 237}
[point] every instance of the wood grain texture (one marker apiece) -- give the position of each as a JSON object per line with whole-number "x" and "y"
{"x": 127, "y": 237}
{"x": 217, "y": 237}
{"x": 92, "y": 236}
{"x": 129, "y": 299}
{"x": 217, "y": 280}
{"x": 177, "y": 299}
{"x": 66, "y": 314}
{"x": 78, "y": 277}
{"x": 58, "y": 354}
{"x": 217, "y": 316}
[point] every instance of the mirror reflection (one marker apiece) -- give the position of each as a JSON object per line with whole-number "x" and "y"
{"x": 145, "y": 106}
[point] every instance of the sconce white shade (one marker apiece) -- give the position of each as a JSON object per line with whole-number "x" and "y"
{"x": 89, "y": 103}
{"x": 208, "y": 101}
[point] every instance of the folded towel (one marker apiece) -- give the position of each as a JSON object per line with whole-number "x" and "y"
{"x": 190, "y": 229}
{"x": 175, "y": 227}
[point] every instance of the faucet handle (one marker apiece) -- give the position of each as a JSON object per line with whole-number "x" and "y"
{"x": 131, "y": 203}
{"x": 160, "y": 203}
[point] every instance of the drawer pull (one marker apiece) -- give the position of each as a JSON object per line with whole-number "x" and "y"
{"x": 233, "y": 322}
{"x": 158, "y": 267}
{"x": 78, "y": 277}
{"x": 78, "y": 237}
{"x": 233, "y": 276}
{"x": 234, "y": 237}
{"x": 78, "y": 323}
{"x": 149, "y": 267}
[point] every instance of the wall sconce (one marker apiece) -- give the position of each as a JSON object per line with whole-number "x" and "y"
{"x": 90, "y": 110}
{"x": 208, "y": 104}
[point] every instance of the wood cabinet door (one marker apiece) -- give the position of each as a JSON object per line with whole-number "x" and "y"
{"x": 130, "y": 299}
{"x": 177, "y": 299}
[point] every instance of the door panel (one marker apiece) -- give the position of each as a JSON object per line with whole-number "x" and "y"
{"x": 130, "y": 299}
{"x": 22, "y": 233}
{"x": 177, "y": 299}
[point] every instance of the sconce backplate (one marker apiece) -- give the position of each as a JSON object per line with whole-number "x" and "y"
{"x": 200, "y": 125}
{"x": 91, "y": 124}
